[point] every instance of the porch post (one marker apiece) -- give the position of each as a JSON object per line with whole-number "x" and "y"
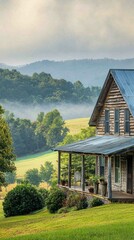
{"x": 109, "y": 179}
{"x": 83, "y": 173}
{"x": 59, "y": 163}
{"x": 69, "y": 170}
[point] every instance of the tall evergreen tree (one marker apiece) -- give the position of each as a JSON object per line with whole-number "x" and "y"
{"x": 7, "y": 156}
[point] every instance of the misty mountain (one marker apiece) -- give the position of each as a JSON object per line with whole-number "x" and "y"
{"x": 43, "y": 88}
{"x": 90, "y": 72}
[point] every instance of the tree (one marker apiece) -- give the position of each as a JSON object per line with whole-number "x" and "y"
{"x": 46, "y": 172}
{"x": 7, "y": 156}
{"x": 54, "y": 129}
{"x": 32, "y": 175}
{"x": 10, "y": 177}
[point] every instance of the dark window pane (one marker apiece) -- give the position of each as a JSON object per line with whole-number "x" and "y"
{"x": 117, "y": 116}
{"x": 127, "y": 121}
{"x": 107, "y": 121}
{"x": 102, "y": 165}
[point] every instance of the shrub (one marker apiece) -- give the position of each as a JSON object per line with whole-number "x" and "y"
{"x": 95, "y": 202}
{"x": 55, "y": 200}
{"x": 23, "y": 199}
{"x": 45, "y": 193}
{"x": 82, "y": 203}
{"x": 63, "y": 210}
{"x": 76, "y": 200}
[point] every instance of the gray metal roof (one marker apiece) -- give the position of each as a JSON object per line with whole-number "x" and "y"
{"x": 125, "y": 81}
{"x": 106, "y": 145}
{"x": 124, "y": 78}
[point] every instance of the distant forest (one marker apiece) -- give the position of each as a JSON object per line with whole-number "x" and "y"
{"x": 41, "y": 135}
{"x": 43, "y": 88}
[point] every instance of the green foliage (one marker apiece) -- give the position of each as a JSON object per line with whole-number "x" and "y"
{"x": 45, "y": 193}
{"x": 76, "y": 200}
{"x": 42, "y": 88}
{"x": 33, "y": 176}
{"x": 63, "y": 210}
{"x": 10, "y": 177}
{"x": 54, "y": 129}
{"x": 31, "y": 137}
{"x": 56, "y": 200}
{"x": 76, "y": 158}
{"x": 7, "y": 156}
{"x": 94, "y": 202}
{"x": 46, "y": 172}
{"x": 23, "y": 199}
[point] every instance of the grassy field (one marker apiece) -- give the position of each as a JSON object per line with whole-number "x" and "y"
{"x": 75, "y": 125}
{"x": 34, "y": 161}
{"x": 109, "y": 222}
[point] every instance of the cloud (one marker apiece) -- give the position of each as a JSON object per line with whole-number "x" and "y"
{"x": 57, "y": 29}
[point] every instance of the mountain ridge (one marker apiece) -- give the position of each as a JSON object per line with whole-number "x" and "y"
{"x": 91, "y": 72}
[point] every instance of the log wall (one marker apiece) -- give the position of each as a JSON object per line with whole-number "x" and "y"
{"x": 114, "y": 100}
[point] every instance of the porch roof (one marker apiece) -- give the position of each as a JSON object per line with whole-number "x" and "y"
{"x": 100, "y": 145}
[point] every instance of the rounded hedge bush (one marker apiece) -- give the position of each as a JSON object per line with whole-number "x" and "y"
{"x": 56, "y": 200}
{"x": 23, "y": 199}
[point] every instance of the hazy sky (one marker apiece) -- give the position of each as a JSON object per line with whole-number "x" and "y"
{"x": 32, "y": 30}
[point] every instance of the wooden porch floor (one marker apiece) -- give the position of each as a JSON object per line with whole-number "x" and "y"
{"x": 116, "y": 195}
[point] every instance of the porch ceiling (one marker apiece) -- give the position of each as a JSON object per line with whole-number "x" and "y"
{"x": 100, "y": 145}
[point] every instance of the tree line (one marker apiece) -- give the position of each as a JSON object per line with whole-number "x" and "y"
{"x": 42, "y": 88}
{"x": 41, "y": 135}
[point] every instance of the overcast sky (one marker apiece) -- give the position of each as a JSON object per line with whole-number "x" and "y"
{"x": 32, "y": 30}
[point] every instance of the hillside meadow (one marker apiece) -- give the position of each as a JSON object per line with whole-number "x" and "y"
{"x": 34, "y": 161}
{"x": 75, "y": 125}
{"x": 108, "y": 222}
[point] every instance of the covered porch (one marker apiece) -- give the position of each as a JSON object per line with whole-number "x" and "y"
{"x": 109, "y": 147}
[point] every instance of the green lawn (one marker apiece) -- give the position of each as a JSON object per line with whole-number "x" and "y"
{"x": 34, "y": 161}
{"x": 109, "y": 222}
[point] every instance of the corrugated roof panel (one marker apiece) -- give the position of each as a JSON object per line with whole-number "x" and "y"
{"x": 125, "y": 82}
{"x": 106, "y": 145}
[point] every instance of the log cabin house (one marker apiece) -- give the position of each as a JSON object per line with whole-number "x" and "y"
{"x": 113, "y": 145}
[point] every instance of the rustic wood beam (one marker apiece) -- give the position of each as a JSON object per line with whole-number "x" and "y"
{"x": 109, "y": 179}
{"x": 69, "y": 170}
{"x": 59, "y": 166}
{"x": 83, "y": 173}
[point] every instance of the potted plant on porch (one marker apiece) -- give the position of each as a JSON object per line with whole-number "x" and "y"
{"x": 103, "y": 185}
{"x": 93, "y": 184}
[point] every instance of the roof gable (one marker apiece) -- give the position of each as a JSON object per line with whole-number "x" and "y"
{"x": 124, "y": 78}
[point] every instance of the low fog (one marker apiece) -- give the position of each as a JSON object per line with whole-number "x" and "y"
{"x": 68, "y": 111}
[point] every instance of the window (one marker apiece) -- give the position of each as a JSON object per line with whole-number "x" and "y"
{"x": 107, "y": 121}
{"x": 102, "y": 165}
{"x": 117, "y": 169}
{"x": 116, "y": 120}
{"x": 127, "y": 121}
